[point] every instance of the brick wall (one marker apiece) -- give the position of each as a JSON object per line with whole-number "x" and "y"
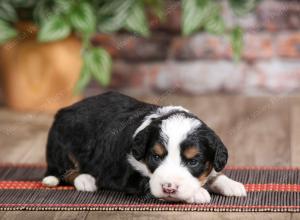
{"x": 202, "y": 63}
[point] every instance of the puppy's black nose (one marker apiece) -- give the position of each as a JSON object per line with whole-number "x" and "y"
{"x": 169, "y": 188}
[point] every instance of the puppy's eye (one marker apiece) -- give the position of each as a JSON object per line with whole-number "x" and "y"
{"x": 192, "y": 163}
{"x": 156, "y": 157}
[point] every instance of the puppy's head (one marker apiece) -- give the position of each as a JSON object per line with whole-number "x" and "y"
{"x": 178, "y": 152}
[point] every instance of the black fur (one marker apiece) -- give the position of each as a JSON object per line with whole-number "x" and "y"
{"x": 98, "y": 133}
{"x": 217, "y": 150}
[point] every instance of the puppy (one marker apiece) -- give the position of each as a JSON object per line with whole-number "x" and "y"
{"x": 112, "y": 141}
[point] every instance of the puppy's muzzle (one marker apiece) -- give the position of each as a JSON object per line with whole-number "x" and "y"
{"x": 169, "y": 188}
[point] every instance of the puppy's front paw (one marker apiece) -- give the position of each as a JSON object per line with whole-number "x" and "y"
{"x": 85, "y": 182}
{"x": 227, "y": 187}
{"x": 50, "y": 181}
{"x": 201, "y": 196}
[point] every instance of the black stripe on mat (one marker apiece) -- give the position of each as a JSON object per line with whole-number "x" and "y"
{"x": 68, "y": 200}
{"x": 241, "y": 175}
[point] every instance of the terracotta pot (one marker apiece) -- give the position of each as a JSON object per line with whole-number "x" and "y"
{"x": 39, "y": 76}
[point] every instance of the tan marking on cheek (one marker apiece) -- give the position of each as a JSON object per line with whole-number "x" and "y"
{"x": 159, "y": 149}
{"x": 191, "y": 152}
{"x": 204, "y": 175}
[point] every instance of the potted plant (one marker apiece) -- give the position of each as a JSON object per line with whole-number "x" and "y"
{"x": 47, "y": 59}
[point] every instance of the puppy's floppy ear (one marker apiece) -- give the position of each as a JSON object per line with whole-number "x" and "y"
{"x": 140, "y": 142}
{"x": 216, "y": 146}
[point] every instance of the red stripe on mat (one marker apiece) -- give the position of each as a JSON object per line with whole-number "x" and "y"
{"x": 261, "y": 168}
{"x": 30, "y": 185}
{"x": 152, "y": 206}
{"x": 42, "y": 165}
{"x": 249, "y": 187}
{"x": 272, "y": 187}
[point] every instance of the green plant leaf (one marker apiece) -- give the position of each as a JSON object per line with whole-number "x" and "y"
{"x": 215, "y": 25}
{"x": 6, "y": 32}
{"x": 45, "y": 9}
{"x": 241, "y": 7}
{"x": 63, "y": 6}
{"x": 7, "y": 12}
{"x": 85, "y": 78}
{"x": 111, "y": 7}
{"x": 237, "y": 36}
{"x": 98, "y": 62}
{"x": 158, "y": 7}
{"x": 195, "y": 14}
{"x": 111, "y": 15}
{"x": 136, "y": 20}
{"x": 82, "y": 18}
{"x": 55, "y": 28}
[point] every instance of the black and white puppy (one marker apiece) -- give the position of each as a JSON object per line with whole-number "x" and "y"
{"x": 113, "y": 141}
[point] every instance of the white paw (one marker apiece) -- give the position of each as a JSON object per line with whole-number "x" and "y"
{"x": 85, "y": 182}
{"x": 200, "y": 196}
{"x": 50, "y": 181}
{"x": 227, "y": 187}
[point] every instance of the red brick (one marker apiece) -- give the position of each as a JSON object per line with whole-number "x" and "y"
{"x": 258, "y": 46}
{"x": 200, "y": 77}
{"x": 133, "y": 48}
{"x": 141, "y": 75}
{"x": 279, "y": 15}
{"x": 197, "y": 77}
{"x": 204, "y": 46}
{"x": 198, "y": 46}
{"x": 274, "y": 77}
{"x": 248, "y": 21}
{"x": 288, "y": 45}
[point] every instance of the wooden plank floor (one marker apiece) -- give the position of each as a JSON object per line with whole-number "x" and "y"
{"x": 257, "y": 131}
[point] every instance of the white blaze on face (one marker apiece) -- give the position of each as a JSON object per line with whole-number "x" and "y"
{"x": 159, "y": 113}
{"x": 175, "y": 129}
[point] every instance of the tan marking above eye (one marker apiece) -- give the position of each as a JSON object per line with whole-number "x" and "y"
{"x": 191, "y": 152}
{"x": 159, "y": 149}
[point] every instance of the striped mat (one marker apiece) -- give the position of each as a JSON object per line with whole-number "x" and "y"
{"x": 269, "y": 189}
